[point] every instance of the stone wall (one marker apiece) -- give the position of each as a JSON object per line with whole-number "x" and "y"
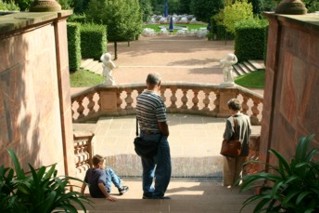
{"x": 291, "y": 100}
{"x": 35, "y": 112}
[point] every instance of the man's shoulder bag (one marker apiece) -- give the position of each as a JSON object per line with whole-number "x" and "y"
{"x": 232, "y": 147}
{"x": 145, "y": 149}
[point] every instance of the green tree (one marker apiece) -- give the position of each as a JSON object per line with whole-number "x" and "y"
{"x": 312, "y": 5}
{"x": 23, "y": 4}
{"x": 240, "y": 10}
{"x": 80, "y": 6}
{"x": 256, "y": 6}
{"x": 122, "y": 17}
{"x": 10, "y": 6}
{"x": 146, "y": 9}
{"x": 184, "y": 6}
{"x": 205, "y": 9}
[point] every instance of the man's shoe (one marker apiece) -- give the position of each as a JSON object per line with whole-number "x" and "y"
{"x": 123, "y": 190}
{"x": 147, "y": 197}
{"x": 162, "y": 198}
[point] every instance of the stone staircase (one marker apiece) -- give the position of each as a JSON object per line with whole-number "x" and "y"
{"x": 92, "y": 65}
{"x": 247, "y": 67}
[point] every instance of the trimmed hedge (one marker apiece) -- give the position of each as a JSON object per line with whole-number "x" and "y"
{"x": 74, "y": 46}
{"x": 79, "y": 18}
{"x": 93, "y": 41}
{"x": 218, "y": 31}
{"x": 250, "y": 39}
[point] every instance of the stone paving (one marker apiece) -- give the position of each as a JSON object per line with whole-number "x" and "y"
{"x": 195, "y": 139}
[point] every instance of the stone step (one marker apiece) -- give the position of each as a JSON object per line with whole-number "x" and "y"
{"x": 258, "y": 64}
{"x": 85, "y": 62}
{"x": 247, "y": 67}
{"x": 93, "y": 66}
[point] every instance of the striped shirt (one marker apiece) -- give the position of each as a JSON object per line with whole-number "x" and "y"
{"x": 150, "y": 109}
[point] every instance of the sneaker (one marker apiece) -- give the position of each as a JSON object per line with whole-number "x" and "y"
{"x": 123, "y": 190}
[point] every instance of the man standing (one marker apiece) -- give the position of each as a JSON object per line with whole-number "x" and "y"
{"x": 151, "y": 116}
{"x": 233, "y": 166}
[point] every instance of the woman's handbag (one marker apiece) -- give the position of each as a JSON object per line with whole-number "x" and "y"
{"x": 145, "y": 149}
{"x": 232, "y": 147}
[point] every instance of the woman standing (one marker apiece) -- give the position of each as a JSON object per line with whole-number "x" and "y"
{"x": 233, "y": 166}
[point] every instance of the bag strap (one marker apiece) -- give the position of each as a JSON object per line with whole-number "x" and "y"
{"x": 136, "y": 132}
{"x": 236, "y": 134}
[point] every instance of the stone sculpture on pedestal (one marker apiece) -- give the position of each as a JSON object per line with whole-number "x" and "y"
{"x": 108, "y": 65}
{"x": 227, "y": 64}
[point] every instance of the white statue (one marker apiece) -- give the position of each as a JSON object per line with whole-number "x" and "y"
{"x": 108, "y": 65}
{"x": 227, "y": 65}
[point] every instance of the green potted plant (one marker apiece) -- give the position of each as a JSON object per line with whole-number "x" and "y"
{"x": 39, "y": 190}
{"x": 291, "y": 186}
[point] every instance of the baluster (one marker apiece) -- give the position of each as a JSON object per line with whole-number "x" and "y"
{"x": 184, "y": 99}
{"x": 119, "y": 100}
{"x": 98, "y": 102}
{"x": 173, "y": 98}
{"x": 162, "y": 91}
{"x": 91, "y": 103}
{"x": 245, "y": 106}
{"x": 81, "y": 108}
{"x": 195, "y": 100}
{"x": 255, "y": 112}
{"x": 129, "y": 100}
{"x": 206, "y": 100}
{"x": 217, "y": 102}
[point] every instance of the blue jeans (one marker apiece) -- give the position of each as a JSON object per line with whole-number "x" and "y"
{"x": 111, "y": 177}
{"x": 159, "y": 166}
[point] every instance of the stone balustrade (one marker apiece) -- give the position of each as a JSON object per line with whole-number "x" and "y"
{"x": 179, "y": 97}
{"x": 82, "y": 151}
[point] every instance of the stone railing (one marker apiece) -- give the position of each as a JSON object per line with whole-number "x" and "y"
{"x": 83, "y": 151}
{"x": 186, "y": 98}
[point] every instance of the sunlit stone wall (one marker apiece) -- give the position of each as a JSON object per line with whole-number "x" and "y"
{"x": 291, "y": 100}
{"x": 35, "y": 115}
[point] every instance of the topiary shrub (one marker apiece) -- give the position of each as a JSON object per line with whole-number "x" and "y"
{"x": 79, "y": 18}
{"x": 74, "y": 46}
{"x": 93, "y": 41}
{"x": 250, "y": 39}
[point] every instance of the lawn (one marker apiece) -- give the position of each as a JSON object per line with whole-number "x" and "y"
{"x": 254, "y": 80}
{"x": 85, "y": 78}
{"x": 156, "y": 27}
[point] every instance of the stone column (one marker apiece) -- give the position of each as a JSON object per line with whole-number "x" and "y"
{"x": 225, "y": 96}
{"x": 108, "y": 100}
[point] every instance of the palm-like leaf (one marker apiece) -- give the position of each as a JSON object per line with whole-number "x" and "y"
{"x": 291, "y": 187}
{"x": 38, "y": 191}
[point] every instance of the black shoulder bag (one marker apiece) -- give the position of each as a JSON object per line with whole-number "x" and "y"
{"x": 145, "y": 149}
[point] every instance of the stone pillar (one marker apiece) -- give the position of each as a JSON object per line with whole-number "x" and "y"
{"x": 225, "y": 96}
{"x": 108, "y": 101}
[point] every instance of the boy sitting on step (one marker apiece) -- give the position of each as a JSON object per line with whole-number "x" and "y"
{"x": 100, "y": 179}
